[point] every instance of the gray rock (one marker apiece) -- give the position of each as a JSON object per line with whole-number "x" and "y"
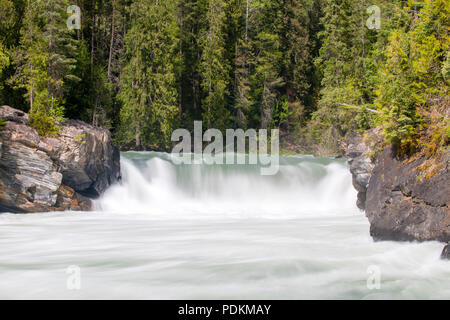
{"x": 401, "y": 202}
{"x": 446, "y": 253}
{"x": 361, "y": 166}
{"x": 402, "y": 205}
{"x": 87, "y": 159}
{"x": 45, "y": 174}
{"x": 26, "y": 170}
{"x": 13, "y": 115}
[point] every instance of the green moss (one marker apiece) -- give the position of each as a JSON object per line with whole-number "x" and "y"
{"x": 2, "y": 124}
{"x": 81, "y": 138}
{"x": 375, "y": 150}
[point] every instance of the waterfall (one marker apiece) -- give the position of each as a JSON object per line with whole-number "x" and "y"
{"x": 304, "y": 185}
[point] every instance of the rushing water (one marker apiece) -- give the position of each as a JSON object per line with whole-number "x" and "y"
{"x": 212, "y": 232}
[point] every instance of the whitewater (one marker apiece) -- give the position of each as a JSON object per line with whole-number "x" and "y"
{"x": 216, "y": 232}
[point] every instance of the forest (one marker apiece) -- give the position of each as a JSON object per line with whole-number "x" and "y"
{"x": 318, "y": 70}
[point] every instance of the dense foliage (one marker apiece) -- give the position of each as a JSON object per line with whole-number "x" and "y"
{"x": 312, "y": 68}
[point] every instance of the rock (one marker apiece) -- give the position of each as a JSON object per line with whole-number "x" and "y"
{"x": 13, "y": 115}
{"x": 403, "y": 204}
{"x": 357, "y": 152}
{"x": 46, "y": 174}
{"x": 446, "y": 253}
{"x": 87, "y": 159}
{"x": 68, "y": 199}
{"x": 25, "y": 171}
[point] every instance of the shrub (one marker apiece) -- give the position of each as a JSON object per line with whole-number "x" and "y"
{"x": 44, "y": 125}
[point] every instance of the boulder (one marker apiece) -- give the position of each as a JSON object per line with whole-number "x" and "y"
{"x": 60, "y": 173}
{"x": 68, "y": 199}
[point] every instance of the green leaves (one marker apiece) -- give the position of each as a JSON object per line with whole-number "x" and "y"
{"x": 411, "y": 76}
{"x": 45, "y": 63}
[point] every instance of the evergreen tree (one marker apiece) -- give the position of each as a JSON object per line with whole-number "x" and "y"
{"x": 243, "y": 100}
{"x": 344, "y": 63}
{"x": 6, "y": 21}
{"x": 411, "y": 80}
{"x": 298, "y": 41}
{"x": 9, "y": 38}
{"x": 215, "y": 68}
{"x": 311, "y": 68}
{"x": 267, "y": 78}
{"x": 192, "y": 22}
{"x": 242, "y": 89}
{"x": 148, "y": 85}
{"x": 46, "y": 61}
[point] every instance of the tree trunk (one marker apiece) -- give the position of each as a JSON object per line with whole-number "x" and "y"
{"x": 246, "y": 22}
{"x": 138, "y": 137}
{"x": 111, "y": 45}
{"x": 92, "y": 39}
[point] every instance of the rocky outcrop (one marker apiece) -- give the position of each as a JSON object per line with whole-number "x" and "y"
{"x": 59, "y": 173}
{"x": 408, "y": 200}
{"x": 404, "y": 199}
{"x": 357, "y": 152}
{"x": 85, "y": 156}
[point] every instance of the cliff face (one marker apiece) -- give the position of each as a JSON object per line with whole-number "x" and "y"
{"x": 46, "y": 174}
{"x": 404, "y": 199}
{"x": 407, "y": 200}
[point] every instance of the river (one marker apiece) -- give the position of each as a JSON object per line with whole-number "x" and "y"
{"x": 216, "y": 232}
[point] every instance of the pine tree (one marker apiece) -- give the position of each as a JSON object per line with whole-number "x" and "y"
{"x": 268, "y": 61}
{"x": 309, "y": 67}
{"x": 192, "y": 22}
{"x": 214, "y": 68}
{"x": 148, "y": 85}
{"x": 46, "y": 62}
{"x": 342, "y": 62}
{"x": 243, "y": 100}
{"x": 6, "y": 21}
{"x": 411, "y": 83}
{"x": 298, "y": 39}
{"x": 298, "y": 62}
{"x": 242, "y": 63}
